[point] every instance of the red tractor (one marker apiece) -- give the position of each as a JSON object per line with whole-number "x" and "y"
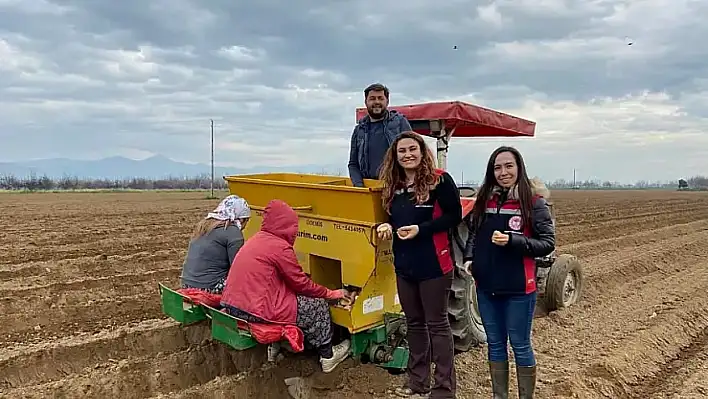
{"x": 559, "y": 277}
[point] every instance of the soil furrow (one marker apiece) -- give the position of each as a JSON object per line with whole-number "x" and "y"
{"x": 53, "y": 360}
{"x": 60, "y": 239}
{"x": 588, "y": 249}
{"x": 94, "y": 262}
{"x": 629, "y": 217}
{"x": 619, "y": 227}
{"x": 9, "y": 289}
{"x": 642, "y": 331}
{"x": 18, "y": 305}
{"x": 94, "y": 315}
{"x": 103, "y": 247}
{"x": 344, "y": 382}
{"x": 145, "y": 376}
{"x": 684, "y": 370}
{"x": 103, "y": 265}
{"x": 621, "y": 268}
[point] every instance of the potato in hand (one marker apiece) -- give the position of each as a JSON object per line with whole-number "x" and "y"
{"x": 500, "y": 238}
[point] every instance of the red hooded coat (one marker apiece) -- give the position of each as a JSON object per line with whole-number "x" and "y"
{"x": 265, "y": 276}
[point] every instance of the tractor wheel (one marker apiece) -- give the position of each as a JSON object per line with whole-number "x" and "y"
{"x": 465, "y": 321}
{"x": 467, "y": 191}
{"x": 564, "y": 283}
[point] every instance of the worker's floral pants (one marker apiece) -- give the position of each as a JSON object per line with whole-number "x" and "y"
{"x": 312, "y": 318}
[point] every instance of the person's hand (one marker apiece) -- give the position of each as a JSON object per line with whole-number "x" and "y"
{"x": 384, "y": 231}
{"x": 345, "y": 298}
{"x": 467, "y": 267}
{"x": 500, "y": 238}
{"x": 348, "y": 300}
{"x": 339, "y": 294}
{"x": 408, "y": 232}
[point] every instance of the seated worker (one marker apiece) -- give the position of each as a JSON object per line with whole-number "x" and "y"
{"x": 214, "y": 244}
{"x": 373, "y": 135}
{"x": 266, "y": 284}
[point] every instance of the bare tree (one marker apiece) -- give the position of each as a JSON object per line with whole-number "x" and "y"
{"x": 68, "y": 183}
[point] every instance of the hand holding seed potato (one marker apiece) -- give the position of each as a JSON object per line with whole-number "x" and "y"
{"x": 384, "y": 231}
{"x": 467, "y": 267}
{"x": 348, "y": 300}
{"x": 408, "y": 232}
{"x": 500, "y": 238}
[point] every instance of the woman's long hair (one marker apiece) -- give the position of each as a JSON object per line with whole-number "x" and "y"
{"x": 205, "y": 226}
{"x": 523, "y": 188}
{"x": 394, "y": 177}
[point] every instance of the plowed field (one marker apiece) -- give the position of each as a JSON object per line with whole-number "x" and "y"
{"x": 80, "y": 314}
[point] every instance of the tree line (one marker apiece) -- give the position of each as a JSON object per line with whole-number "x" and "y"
{"x": 203, "y": 182}
{"x": 68, "y": 183}
{"x": 696, "y": 182}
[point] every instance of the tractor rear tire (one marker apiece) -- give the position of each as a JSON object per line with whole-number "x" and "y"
{"x": 467, "y": 191}
{"x": 465, "y": 321}
{"x": 564, "y": 283}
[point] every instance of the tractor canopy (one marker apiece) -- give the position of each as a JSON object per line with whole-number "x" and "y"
{"x": 445, "y": 120}
{"x": 461, "y": 119}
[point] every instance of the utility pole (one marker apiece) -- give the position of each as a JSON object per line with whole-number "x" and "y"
{"x": 574, "y": 184}
{"x": 212, "y": 158}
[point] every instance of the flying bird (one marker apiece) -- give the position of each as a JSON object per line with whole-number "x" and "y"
{"x": 628, "y": 41}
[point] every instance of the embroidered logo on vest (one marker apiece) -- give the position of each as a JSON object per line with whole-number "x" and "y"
{"x": 515, "y": 223}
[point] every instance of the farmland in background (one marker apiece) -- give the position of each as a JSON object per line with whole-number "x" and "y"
{"x": 80, "y": 312}
{"x": 203, "y": 182}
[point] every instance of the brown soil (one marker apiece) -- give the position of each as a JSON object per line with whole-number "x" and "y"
{"x": 80, "y": 314}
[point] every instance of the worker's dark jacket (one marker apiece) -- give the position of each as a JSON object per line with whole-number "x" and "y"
{"x": 511, "y": 269}
{"x": 369, "y": 143}
{"x": 209, "y": 257}
{"x": 427, "y": 255}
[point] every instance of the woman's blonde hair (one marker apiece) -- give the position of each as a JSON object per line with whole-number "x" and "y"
{"x": 394, "y": 177}
{"x": 205, "y": 226}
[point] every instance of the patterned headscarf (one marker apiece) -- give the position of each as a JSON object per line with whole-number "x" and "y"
{"x": 231, "y": 208}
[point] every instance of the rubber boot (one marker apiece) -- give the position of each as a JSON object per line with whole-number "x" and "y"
{"x": 526, "y": 377}
{"x": 499, "y": 371}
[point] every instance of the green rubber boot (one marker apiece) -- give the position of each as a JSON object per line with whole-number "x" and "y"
{"x": 526, "y": 377}
{"x": 499, "y": 371}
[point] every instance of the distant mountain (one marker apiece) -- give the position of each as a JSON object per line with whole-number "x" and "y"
{"x": 154, "y": 167}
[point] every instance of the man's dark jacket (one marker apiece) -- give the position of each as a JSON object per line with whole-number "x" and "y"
{"x": 360, "y": 165}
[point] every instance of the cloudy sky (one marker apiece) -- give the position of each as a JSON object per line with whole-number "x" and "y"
{"x": 88, "y": 79}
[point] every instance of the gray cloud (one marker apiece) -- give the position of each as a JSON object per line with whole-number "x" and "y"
{"x": 88, "y": 79}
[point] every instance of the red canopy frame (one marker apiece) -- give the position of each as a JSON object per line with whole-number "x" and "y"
{"x": 443, "y": 120}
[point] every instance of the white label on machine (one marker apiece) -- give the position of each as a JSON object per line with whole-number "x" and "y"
{"x": 374, "y": 304}
{"x": 396, "y": 300}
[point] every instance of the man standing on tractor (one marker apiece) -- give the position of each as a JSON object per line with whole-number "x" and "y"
{"x": 373, "y": 135}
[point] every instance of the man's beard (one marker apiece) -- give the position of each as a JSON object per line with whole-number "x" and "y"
{"x": 375, "y": 115}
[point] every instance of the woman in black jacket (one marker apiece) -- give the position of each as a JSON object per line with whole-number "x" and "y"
{"x": 423, "y": 204}
{"x": 511, "y": 225}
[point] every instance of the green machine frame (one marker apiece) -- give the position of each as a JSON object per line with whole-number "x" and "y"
{"x": 382, "y": 345}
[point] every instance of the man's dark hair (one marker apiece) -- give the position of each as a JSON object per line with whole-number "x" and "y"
{"x": 376, "y": 87}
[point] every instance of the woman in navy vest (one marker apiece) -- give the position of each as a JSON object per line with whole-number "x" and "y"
{"x": 511, "y": 224}
{"x": 423, "y": 204}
